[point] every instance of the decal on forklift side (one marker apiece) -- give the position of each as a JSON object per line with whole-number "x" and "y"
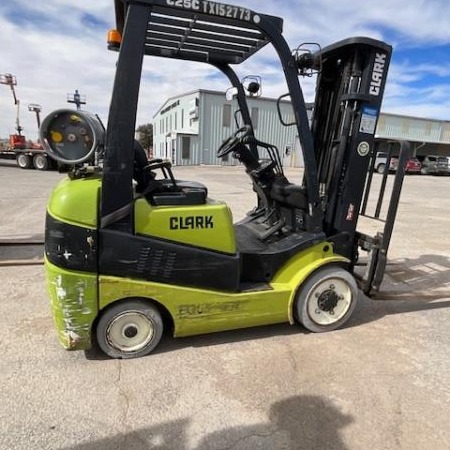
{"x": 377, "y": 74}
{"x": 190, "y": 222}
{"x": 207, "y": 308}
{"x": 369, "y": 118}
{"x": 217, "y": 9}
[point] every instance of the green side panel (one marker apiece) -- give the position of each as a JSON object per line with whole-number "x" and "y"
{"x": 197, "y": 311}
{"x": 207, "y": 226}
{"x": 76, "y": 201}
{"x": 74, "y": 305}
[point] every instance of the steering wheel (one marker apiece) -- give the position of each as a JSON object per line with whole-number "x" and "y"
{"x": 232, "y": 143}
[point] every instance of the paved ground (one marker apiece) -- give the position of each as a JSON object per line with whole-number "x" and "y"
{"x": 382, "y": 382}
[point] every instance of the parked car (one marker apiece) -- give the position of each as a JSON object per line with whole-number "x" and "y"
{"x": 436, "y": 165}
{"x": 413, "y": 165}
{"x": 380, "y": 162}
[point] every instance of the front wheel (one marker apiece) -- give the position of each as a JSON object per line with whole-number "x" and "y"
{"x": 327, "y": 299}
{"x": 129, "y": 329}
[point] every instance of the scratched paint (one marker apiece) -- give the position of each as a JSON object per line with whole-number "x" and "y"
{"x": 74, "y": 305}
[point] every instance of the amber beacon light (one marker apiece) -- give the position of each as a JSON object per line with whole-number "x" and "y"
{"x": 114, "y": 39}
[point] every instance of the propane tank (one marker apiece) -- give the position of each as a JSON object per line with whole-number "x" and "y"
{"x": 72, "y": 137}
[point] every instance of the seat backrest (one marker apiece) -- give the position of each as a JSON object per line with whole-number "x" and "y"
{"x": 185, "y": 196}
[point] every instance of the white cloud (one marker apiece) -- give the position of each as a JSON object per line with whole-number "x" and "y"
{"x": 52, "y": 50}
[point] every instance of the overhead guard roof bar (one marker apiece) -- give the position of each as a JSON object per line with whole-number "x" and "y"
{"x": 207, "y": 32}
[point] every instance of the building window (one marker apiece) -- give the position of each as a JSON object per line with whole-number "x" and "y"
{"x": 171, "y": 123}
{"x": 186, "y": 147}
{"x": 226, "y": 116}
{"x": 182, "y": 118}
{"x": 255, "y": 117}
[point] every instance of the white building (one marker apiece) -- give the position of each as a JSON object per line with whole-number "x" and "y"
{"x": 188, "y": 129}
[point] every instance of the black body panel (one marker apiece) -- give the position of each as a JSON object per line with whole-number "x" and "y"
{"x": 261, "y": 260}
{"x": 145, "y": 258}
{"x": 70, "y": 247}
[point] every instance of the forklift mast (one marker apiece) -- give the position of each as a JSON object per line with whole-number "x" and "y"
{"x": 350, "y": 89}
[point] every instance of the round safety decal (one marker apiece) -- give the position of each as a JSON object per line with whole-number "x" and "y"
{"x": 363, "y": 148}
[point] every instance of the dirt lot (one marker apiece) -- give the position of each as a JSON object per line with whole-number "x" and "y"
{"x": 382, "y": 382}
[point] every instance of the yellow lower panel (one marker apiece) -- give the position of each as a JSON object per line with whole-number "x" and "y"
{"x": 197, "y": 311}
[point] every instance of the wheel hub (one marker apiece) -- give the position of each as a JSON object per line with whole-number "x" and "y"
{"x": 130, "y": 331}
{"x": 328, "y": 300}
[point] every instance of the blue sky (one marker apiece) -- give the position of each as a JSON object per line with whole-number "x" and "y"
{"x": 54, "y": 47}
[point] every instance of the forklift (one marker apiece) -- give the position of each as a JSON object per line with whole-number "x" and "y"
{"x": 132, "y": 252}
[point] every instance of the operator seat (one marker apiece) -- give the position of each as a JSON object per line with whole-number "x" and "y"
{"x": 164, "y": 192}
{"x": 289, "y": 194}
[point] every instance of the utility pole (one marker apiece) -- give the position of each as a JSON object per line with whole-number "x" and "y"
{"x": 34, "y": 107}
{"x": 76, "y": 98}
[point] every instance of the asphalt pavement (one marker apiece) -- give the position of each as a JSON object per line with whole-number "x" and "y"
{"x": 381, "y": 382}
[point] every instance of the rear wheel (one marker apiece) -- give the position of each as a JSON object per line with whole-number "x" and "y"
{"x": 41, "y": 162}
{"x": 327, "y": 299}
{"x": 24, "y": 161}
{"x": 129, "y": 329}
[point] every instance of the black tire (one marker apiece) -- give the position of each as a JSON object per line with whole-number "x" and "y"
{"x": 327, "y": 299}
{"x": 24, "y": 161}
{"x": 380, "y": 168}
{"x": 41, "y": 162}
{"x": 129, "y": 329}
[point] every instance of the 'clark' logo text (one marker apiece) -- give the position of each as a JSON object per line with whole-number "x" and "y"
{"x": 377, "y": 74}
{"x": 190, "y": 222}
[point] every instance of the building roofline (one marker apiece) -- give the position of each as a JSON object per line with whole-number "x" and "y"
{"x": 221, "y": 93}
{"x": 429, "y": 119}
{"x": 174, "y": 98}
{"x": 309, "y": 105}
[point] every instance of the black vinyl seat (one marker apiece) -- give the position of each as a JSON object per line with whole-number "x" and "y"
{"x": 183, "y": 193}
{"x": 289, "y": 194}
{"x": 165, "y": 191}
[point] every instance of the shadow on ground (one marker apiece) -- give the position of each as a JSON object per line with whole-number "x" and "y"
{"x": 297, "y": 423}
{"x": 410, "y": 285}
{"x": 426, "y": 277}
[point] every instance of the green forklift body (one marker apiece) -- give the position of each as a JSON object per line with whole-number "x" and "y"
{"x": 125, "y": 249}
{"x": 77, "y": 296}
